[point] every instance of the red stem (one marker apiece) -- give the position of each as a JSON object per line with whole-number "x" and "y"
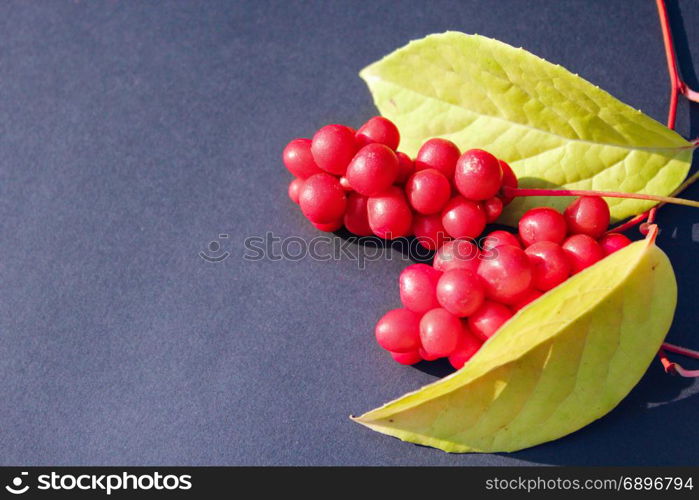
{"x": 518, "y": 192}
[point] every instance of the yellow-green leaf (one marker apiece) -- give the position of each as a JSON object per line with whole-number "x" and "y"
{"x": 560, "y": 363}
{"x": 554, "y": 128}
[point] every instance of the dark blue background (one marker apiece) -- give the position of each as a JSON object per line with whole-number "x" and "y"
{"x": 133, "y": 133}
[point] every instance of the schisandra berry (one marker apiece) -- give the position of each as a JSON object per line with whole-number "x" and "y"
{"x": 488, "y": 319}
{"x": 298, "y": 159}
{"x": 345, "y": 184}
{"x": 418, "y": 287}
{"x": 372, "y": 170}
{"x": 478, "y": 175}
{"x": 333, "y": 147}
{"x": 457, "y": 254}
{"x": 542, "y": 224}
{"x": 429, "y": 231}
{"x": 389, "y": 214}
{"x": 406, "y": 168}
{"x": 506, "y": 272}
{"x": 460, "y": 292}
{"x": 499, "y": 238}
{"x": 493, "y": 209}
{"x": 322, "y": 199}
{"x": 427, "y": 356}
{"x": 550, "y": 265}
{"x": 509, "y": 179}
{"x": 582, "y": 251}
{"x": 428, "y": 191}
{"x": 406, "y": 358}
{"x": 356, "y": 218}
{"x": 329, "y": 227}
{"x": 524, "y": 298}
{"x": 399, "y": 331}
{"x": 463, "y": 218}
{"x": 439, "y": 332}
{"x": 588, "y": 215}
{"x": 612, "y": 242}
{"x": 441, "y": 154}
{"x": 295, "y": 189}
{"x": 379, "y": 130}
{"x": 466, "y": 347}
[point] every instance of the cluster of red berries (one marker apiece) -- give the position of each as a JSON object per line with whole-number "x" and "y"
{"x": 469, "y": 292}
{"x": 361, "y": 181}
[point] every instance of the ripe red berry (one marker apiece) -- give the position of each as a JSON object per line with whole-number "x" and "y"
{"x": 460, "y": 292}
{"x": 389, "y": 214}
{"x": 406, "y": 168}
{"x": 582, "y": 251}
{"x": 439, "y": 332}
{"x": 399, "y": 331}
{"x": 493, "y": 209}
{"x": 333, "y": 147}
{"x": 478, "y": 175}
{"x": 345, "y": 183}
{"x": 457, "y": 254}
{"x": 329, "y": 227}
{"x": 542, "y": 224}
{"x": 418, "y": 287}
{"x": 488, "y": 319}
{"x": 463, "y": 218}
{"x": 550, "y": 265}
{"x": 429, "y": 231}
{"x": 379, "y": 130}
{"x": 356, "y": 218}
{"x": 588, "y": 215}
{"x": 406, "y": 358}
{"x": 427, "y": 356}
{"x": 295, "y": 189}
{"x": 298, "y": 159}
{"x": 612, "y": 242}
{"x": 441, "y": 154}
{"x": 509, "y": 179}
{"x": 506, "y": 272}
{"x": 499, "y": 238}
{"x": 524, "y": 298}
{"x": 322, "y": 199}
{"x": 428, "y": 191}
{"x": 466, "y": 347}
{"x": 373, "y": 169}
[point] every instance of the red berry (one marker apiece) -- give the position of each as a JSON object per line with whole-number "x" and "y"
{"x": 499, "y": 238}
{"x": 492, "y": 208}
{"x": 427, "y": 356}
{"x": 322, "y": 199}
{"x": 372, "y": 170}
{"x": 488, "y": 319}
{"x": 441, "y": 154}
{"x": 356, "y": 219}
{"x": 406, "y": 167}
{"x": 463, "y": 218}
{"x": 439, "y": 332}
{"x": 429, "y": 231}
{"x": 467, "y": 346}
{"x": 295, "y": 189}
{"x": 460, "y": 292}
{"x": 389, "y": 214}
{"x": 298, "y": 159}
{"x": 333, "y": 147}
{"x": 542, "y": 224}
{"x": 509, "y": 179}
{"x": 418, "y": 287}
{"x": 478, "y": 175}
{"x": 329, "y": 227}
{"x": 506, "y": 272}
{"x": 612, "y": 242}
{"x": 588, "y": 215}
{"x": 550, "y": 265}
{"x": 524, "y": 298}
{"x": 345, "y": 183}
{"x": 406, "y": 358}
{"x": 379, "y": 130}
{"x": 428, "y": 191}
{"x": 399, "y": 331}
{"x": 457, "y": 254}
{"x": 582, "y": 251}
